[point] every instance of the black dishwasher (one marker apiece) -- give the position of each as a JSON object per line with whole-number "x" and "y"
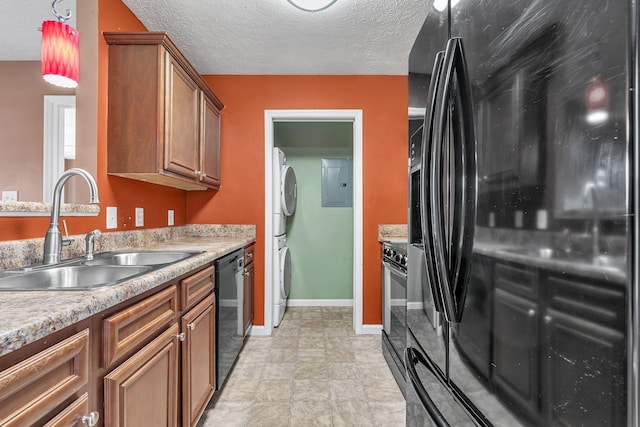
{"x": 229, "y": 310}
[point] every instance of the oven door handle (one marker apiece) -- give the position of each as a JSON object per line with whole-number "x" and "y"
{"x": 395, "y": 269}
{"x": 411, "y": 358}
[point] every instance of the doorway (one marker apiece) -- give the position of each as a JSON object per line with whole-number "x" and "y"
{"x": 355, "y": 118}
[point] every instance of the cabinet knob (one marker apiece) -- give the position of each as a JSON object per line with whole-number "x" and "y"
{"x": 181, "y": 336}
{"x": 250, "y": 255}
{"x": 246, "y": 272}
{"x": 91, "y": 419}
{"x": 191, "y": 326}
{"x": 547, "y": 319}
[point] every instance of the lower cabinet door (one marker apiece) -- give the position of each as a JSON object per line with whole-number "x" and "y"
{"x": 198, "y": 360}
{"x": 143, "y": 390}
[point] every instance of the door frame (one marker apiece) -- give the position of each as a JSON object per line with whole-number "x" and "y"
{"x": 355, "y": 117}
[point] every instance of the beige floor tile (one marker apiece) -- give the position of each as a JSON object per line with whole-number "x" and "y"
{"x": 310, "y": 390}
{"x": 310, "y": 413}
{"x": 342, "y": 371}
{"x": 382, "y": 391}
{"x": 311, "y": 371}
{"x": 277, "y": 371}
{"x": 271, "y": 390}
{"x": 388, "y": 414}
{"x": 246, "y": 370}
{"x": 338, "y": 342}
{"x": 342, "y": 390}
{"x": 269, "y": 414}
{"x": 339, "y": 355}
{"x": 227, "y": 413}
{"x": 311, "y": 332}
{"x": 239, "y": 390}
{"x": 311, "y": 342}
{"x": 351, "y": 413}
{"x": 312, "y": 355}
{"x": 283, "y": 355}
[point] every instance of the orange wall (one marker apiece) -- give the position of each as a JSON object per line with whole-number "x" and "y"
{"x": 383, "y": 100}
{"x": 125, "y": 194}
{"x": 240, "y": 200}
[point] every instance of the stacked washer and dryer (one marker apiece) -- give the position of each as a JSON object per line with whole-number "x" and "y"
{"x": 284, "y": 204}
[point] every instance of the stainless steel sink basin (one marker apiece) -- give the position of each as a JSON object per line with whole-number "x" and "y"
{"x": 69, "y": 277}
{"x": 139, "y": 257}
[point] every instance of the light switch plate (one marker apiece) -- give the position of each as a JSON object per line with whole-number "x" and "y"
{"x": 112, "y": 217}
{"x": 139, "y": 217}
{"x": 170, "y": 217}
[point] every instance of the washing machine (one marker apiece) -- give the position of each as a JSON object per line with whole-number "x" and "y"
{"x": 285, "y": 190}
{"x": 281, "y": 277}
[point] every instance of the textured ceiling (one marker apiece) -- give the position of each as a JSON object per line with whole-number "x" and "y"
{"x": 273, "y": 37}
{"x": 252, "y": 36}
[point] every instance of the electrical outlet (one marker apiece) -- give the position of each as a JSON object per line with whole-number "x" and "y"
{"x": 170, "y": 217}
{"x": 10, "y": 196}
{"x": 139, "y": 217}
{"x": 112, "y": 217}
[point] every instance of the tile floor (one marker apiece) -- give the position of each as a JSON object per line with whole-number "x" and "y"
{"x": 313, "y": 371}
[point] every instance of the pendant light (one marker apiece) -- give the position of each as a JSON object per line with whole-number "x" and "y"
{"x": 312, "y": 5}
{"x": 60, "y": 51}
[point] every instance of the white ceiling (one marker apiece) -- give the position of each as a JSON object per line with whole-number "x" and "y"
{"x": 262, "y": 36}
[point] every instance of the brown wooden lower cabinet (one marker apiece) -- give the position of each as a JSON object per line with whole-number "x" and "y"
{"x": 75, "y": 415}
{"x": 33, "y": 388}
{"x": 143, "y": 390}
{"x": 198, "y": 360}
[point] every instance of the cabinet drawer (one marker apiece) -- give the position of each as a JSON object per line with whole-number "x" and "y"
{"x": 520, "y": 281}
{"x": 248, "y": 255}
{"x": 196, "y": 287}
{"x": 133, "y": 326}
{"x": 72, "y": 414}
{"x": 36, "y": 386}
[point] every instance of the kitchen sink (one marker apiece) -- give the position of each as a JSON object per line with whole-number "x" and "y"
{"x": 68, "y": 277}
{"x": 139, "y": 257}
{"x": 105, "y": 269}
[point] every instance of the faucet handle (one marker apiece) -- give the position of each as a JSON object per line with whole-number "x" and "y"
{"x": 66, "y": 240}
{"x": 89, "y": 239}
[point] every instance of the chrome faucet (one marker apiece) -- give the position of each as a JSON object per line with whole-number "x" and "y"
{"x": 53, "y": 239}
{"x": 590, "y": 190}
{"x": 89, "y": 239}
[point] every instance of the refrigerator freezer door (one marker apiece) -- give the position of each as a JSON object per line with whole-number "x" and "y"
{"x": 548, "y": 299}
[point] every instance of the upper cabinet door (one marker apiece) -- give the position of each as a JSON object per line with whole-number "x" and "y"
{"x": 181, "y": 121}
{"x": 210, "y": 144}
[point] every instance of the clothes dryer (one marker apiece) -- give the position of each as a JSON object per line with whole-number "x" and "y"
{"x": 281, "y": 278}
{"x": 284, "y": 192}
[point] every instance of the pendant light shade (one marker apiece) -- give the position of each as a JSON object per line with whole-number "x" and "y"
{"x": 60, "y": 54}
{"x": 312, "y": 5}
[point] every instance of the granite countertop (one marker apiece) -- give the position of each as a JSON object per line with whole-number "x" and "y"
{"x": 504, "y": 252}
{"x": 26, "y": 316}
{"x": 393, "y": 233}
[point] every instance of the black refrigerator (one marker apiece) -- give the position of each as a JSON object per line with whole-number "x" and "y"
{"x": 523, "y": 118}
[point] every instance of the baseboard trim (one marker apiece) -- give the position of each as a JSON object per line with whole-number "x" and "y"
{"x": 319, "y": 303}
{"x": 257, "y": 331}
{"x": 371, "y": 329}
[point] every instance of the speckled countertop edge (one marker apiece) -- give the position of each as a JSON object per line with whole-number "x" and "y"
{"x": 28, "y": 316}
{"x": 502, "y": 253}
{"x": 18, "y": 208}
{"x": 396, "y": 233}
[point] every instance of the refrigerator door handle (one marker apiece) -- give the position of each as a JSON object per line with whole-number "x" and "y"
{"x": 453, "y": 262}
{"x": 411, "y": 358}
{"x": 426, "y": 184}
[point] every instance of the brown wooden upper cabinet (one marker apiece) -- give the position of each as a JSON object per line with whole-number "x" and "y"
{"x": 164, "y": 120}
